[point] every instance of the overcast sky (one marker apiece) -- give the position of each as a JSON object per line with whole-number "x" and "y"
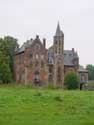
{"x": 23, "y": 19}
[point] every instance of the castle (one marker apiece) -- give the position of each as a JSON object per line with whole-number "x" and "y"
{"x": 36, "y": 65}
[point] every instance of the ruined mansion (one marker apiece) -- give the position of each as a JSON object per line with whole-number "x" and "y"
{"x": 36, "y": 65}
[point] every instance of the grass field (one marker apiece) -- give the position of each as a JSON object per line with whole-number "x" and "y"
{"x": 27, "y": 106}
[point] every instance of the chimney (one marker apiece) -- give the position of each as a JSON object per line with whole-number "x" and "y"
{"x": 44, "y": 42}
{"x": 72, "y": 49}
{"x": 37, "y": 36}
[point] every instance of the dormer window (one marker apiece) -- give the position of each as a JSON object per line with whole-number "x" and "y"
{"x": 64, "y": 54}
{"x": 70, "y": 54}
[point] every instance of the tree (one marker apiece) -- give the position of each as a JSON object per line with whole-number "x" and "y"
{"x": 90, "y": 69}
{"x": 5, "y": 73}
{"x": 7, "y": 46}
{"x": 71, "y": 80}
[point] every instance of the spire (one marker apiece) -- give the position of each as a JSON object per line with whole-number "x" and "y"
{"x": 58, "y": 31}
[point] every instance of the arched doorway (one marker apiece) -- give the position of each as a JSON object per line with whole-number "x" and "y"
{"x": 36, "y": 78}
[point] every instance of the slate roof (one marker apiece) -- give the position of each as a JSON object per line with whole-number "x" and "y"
{"x": 69, "y": 55}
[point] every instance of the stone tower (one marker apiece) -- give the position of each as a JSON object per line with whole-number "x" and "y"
{"x": 58, "y": 57}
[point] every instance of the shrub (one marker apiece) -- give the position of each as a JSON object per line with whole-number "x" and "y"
{"x": 71, "y": 80}
{"x": 38, "y": 94}
{"x": 58, "y": 98}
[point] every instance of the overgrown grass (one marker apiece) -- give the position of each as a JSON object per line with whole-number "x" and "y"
{"x": 90, "y": 83}
{"x": 20, "y": 105}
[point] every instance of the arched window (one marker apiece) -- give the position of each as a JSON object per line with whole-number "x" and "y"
{"x": 55, "y": 49}
{"x": 36, "y": 77}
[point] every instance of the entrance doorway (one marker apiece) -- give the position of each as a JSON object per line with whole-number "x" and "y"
{"x": 36, "y": 78}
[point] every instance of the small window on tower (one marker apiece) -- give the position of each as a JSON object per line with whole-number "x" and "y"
{"x": 55, "y": 42}
{"x": 59, "y": 43}
{"x": 56, "y": 50}
{"x": 30, "y": 58}
{"x": 59, "y": 49}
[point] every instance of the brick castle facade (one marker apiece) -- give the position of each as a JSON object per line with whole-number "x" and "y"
{"x": 36, "y": 65}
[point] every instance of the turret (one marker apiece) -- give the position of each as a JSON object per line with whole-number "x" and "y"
{"x": 58, "y": 41}
{"x": 58, "y": 57}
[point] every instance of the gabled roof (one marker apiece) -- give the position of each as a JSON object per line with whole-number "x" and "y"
{"x": 28, "y": 44}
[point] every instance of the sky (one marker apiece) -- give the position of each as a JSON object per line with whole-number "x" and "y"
{"x": 24, "y": 19}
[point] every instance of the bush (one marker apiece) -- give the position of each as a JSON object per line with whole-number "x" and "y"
{"x": 5, "y": 74}
{"x": 58, "y": 98}
{"x": 71, "y": 80}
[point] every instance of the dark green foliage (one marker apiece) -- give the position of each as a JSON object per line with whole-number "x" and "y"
{"x": 58, "y": 98}
{"x": 38, "y": 94}
{"x": 5, "y": 73}
{"x": 71, "y": 80}
{"x": 7, "y": 47}
{"x": 90, "y": 69}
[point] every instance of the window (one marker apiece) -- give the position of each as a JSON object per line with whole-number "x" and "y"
{"x": 36, "y": 63}
{"x": 42, "y": 65}
{"x": 59, "y": 43}
{"x": 42, "y": 56}
{"x": 64, "y": 54}
{"x": 37, "y": 56}
{"x": 37, "y": 47}
{"x": 59, "y": 49}
{"x": 59, "y": 46}
{"x": 56, "y": 42}
{"x": 30, "y": 58}
{"x": 50, "y": 69}
{"x": 50, "y": 78}
{"x": 55, "y": 49}
{"x": 70, "y": 54}
{"x": 36, "y": 77}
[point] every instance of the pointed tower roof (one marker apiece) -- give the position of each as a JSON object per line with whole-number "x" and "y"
{"x": 58, "y": 31}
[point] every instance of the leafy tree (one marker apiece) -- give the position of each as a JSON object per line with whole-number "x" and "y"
{"x": 7, "y": 46}
{"x": 5, "y": 73}
{"x": 90, "y": 69}
{"x": 71, "y": 80}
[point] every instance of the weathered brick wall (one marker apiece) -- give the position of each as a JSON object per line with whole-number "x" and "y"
{"x": 33, "y": 59}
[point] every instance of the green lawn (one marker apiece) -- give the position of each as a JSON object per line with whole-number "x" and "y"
{"x": 27, "y": 106}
